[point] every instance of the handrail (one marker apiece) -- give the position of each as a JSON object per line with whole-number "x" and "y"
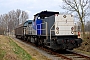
{"x": 30, "y": 29}
{"x": 43, "y": 29}
{"x": 51, "y": 30}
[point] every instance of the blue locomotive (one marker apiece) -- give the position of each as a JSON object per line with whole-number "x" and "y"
{"x": 50, "y": 29}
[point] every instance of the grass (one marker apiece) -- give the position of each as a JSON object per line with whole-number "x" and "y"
{"x": 2, "y": 53}
{"x": 85, "y": 46}
{"x": 19, "y": 51}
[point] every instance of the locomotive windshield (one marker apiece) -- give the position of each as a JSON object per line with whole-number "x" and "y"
{"x": 27, "y": 22}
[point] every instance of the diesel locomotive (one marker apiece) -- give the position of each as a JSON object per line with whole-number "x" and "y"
{"x": 50, "y": 29}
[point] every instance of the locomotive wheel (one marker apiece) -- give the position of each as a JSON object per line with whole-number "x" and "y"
{"x": 36, "y": 41}
{"x": 71, "y": 49}
{"x": 24, "y": 38}
{"x": 40, "y": 42}
{"x": 32, "y": 40}
{"x": 28, "y": 39}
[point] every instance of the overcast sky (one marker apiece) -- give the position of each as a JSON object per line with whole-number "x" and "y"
{"x": 30, "y": 6}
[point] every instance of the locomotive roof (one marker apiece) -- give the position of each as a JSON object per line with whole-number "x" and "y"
{"x": 21, "y": 25}
{"x": 46, "y": 13}
{"x": 29, "y": 21}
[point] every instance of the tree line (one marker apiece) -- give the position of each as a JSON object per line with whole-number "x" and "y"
{"x": 80, "y": 9}
{"x": 11, "y": 20}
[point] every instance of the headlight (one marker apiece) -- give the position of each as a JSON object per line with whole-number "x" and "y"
{"x": 57, "y": 32}
{"x": 72, "y": 30}
{"x": 64, "y": 16}
{"x": 57, "y": 28}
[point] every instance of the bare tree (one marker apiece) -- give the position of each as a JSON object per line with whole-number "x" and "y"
{"x": 1, "y": 25}
{"x": 4, "y": 23}
{"x": 87, "y": 26}
{"x": 10, "y": 21}
{"x": 18, "y": 12}
{"x": 80, "y": 7}
{"x": 0, "y": 20}
{"x": 24, "y": 16}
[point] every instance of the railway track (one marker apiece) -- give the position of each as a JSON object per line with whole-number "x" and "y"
{"x": 67, "y": 55}
{"x": 64, "y": 55}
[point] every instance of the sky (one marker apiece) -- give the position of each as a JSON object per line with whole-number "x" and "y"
{"x": 30, "y": 6}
